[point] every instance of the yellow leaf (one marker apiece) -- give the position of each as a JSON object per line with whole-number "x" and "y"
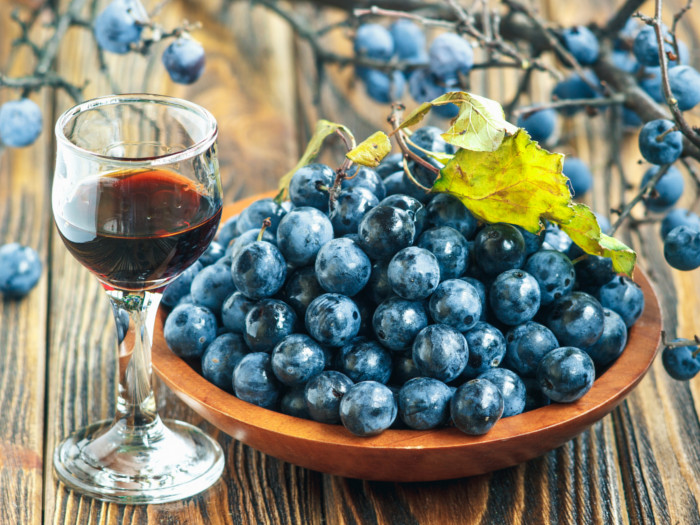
{"x": 479, "y": 126}
{"x": 324, "y": 128}
{"x": 519, "y": 183}
{"x": 584, "y": 231}
{"x": 371, "y": 151}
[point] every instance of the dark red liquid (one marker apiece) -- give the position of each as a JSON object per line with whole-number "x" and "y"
{"x": 138, "y": 229}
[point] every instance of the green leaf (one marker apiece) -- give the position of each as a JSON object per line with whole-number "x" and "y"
{"x": 584, "y": 230}
{"x": 371, "y": 151}
{"x": 519, "y": 183}
{"x": 324, "y": 128}
{"x": 479, "y": 126}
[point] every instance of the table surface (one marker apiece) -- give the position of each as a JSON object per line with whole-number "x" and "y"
{"x": 640, "y": 464}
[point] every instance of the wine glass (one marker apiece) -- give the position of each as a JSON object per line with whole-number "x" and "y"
{"x": 137, "y": 199}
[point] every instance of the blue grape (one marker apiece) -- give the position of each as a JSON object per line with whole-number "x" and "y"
{"x": 342, "y": 267}
{"x": 449, "y": 247}
{"x": 664, "y": 151}
{"x": 267, "y": 323}
{"x": 220, "y": 359}
{"x": 227, "y": 231}
{"x": 447, "y": 210}
{"x": 301, "y": 288}
{"x": 414, "y": 273}
{"x": 399, "y": 183}
{"x": 254, "y": 381}
{"x": 539, "y": 124}
{"x": 487, "y": 348}
{"x": 213, "y": 253}
{"x": 456, "y": 303}
{"x": 576, "y": 320}
{"x": 566, "y": 374}
{"x": 247, "y": 238}
{"x": 259, "y": 270}
{"x": 646, "y": 49}
{"x": 612, "y": 342}
{"x": 189, "y": 329}
{"x": 450, "y": 55}
{"x": 212, "y": 286}
{"x": 594, "y": 271}
{"x": 296, "y": 359}
{"x": 390, "y": 164}
{"x": 184, "y": 60}
{"x": 293, "y": 403}
{"x": 685, "y": 86}
{"x": 424, "y": 87}
{"x": 333, "y": 319}
{"x": 253, "y": 216}
{"x": 351, "y": 205}
{"x": 625, "y": 297}
{"x": 481, "y": 290}
{"x": 511, "y": 387}
{"x": 650, "y": 82}
{"x": 580, "y": 177}
{"x": 681, "y": 363}
{"x": 363, "y": 360}
{"x": 476, "y": 406}
{"x": 323, "y": 393}
{"x": 385, "y": 230}
{"x": 526, "y": 345}
{"x": 679, "y": 217}
{"x": 666, "y": 192}
{"x": 374, "y": 41}
{"x": 301, "y": 234}
{"x": 309, "y": 186}
{"x": 233, "y": 312}
{"x": 581, "y": 43}
{"x": 514, "y": 297}
{"x": 119, "y": 25}
{"x": 499, "y": 247}
{"x": 556, "y": 239}
{"x": 424, "y": 403}
{"x": 397, "y": 322}
{"x": 364, "y": 177}
{"x": 368, "y": 408}
{"x": 409, "y": 40}
{"x": 413, "y": 206}
{"x": 384, "y": 87}
{"x": 533, "y": 241}
{"x": 20, "y": 269}
{"x": 534, "y": 397}
{"x": 440, "y": 352}
{"x": 20, "y": 123}
{"x": 575, "y": 87}
{"x": 554, "y": 273}
{"x": 624, "y": 61}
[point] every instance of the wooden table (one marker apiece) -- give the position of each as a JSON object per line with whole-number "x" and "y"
{"x": 641, "y": 464}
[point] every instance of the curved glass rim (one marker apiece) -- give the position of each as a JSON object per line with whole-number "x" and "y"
{"x": 168, "y": 158}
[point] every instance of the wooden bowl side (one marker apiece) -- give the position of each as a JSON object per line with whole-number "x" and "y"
{"x": 410, "y": 455}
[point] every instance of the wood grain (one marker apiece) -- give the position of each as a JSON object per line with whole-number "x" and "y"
{"x": 641, "y": 465}
{"x": 24, "y": 218}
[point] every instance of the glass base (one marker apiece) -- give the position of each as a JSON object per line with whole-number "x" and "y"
{"x": 153, "y": 463}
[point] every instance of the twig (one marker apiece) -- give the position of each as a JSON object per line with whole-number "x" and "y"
{"x": 34, "y": 82}
{"x": 619, "y": 19}
{"x": 625, "y": 211}
{"x": 591, "y": 102}
{"x": 672, "y": 103}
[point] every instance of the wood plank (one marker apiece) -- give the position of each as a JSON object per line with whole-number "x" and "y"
{"x": 244, "y": 85}
{"x": 24, "y": 218}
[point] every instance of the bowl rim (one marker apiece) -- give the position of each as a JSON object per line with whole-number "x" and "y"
{"x": 608, "y": 390}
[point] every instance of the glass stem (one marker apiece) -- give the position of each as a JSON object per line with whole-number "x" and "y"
{"x": 135, "y": 315}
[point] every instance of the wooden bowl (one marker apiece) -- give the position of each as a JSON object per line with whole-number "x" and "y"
{"x": 411, "y": 455}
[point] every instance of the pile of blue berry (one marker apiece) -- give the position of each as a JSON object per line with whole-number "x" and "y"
{"x": 391, "y": 307}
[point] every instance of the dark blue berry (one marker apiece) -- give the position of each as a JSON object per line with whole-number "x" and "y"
{"x": 20, "y": 269}
{"x": 511, "y": 387}
{"x": 623, "y": 296}
{"x": 449, "y": 247}
{"x": 267, "y": 323}
{"x": 566, "y": 374}
{"x": 254, "y": 381}
{"x": 396, "y": 322}
{"x": 526, "y": 345}
{"x": 368, "y": 408}
{"x": 342, "y": 267}
{"x": 309, "y": 186}
{"x": 576, "y": 320}
{"x": 296, "y": 359}
{"x": 184, "y": 60}
{"x": 363, "y": 360}
{"x": 220, "y": 359}
{"x": 259, "y": 270}
{"x": 476, "y": 406}
{"x": 424, "y": 403}
{"x": 612, "y": 342}
{"x": 440, "y": 352}
{"x": 333, "y": 319}
{"x": 487, "y": 347}
{"x": 189, "y": 329}
{"x": 323, "y": 393}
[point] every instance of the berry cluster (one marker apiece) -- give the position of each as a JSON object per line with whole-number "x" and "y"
{"x": 448, "y": 57}
{"x": 391, "y": 307}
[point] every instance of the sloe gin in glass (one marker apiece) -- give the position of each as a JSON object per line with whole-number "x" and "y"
{"x": 137, "y": 199}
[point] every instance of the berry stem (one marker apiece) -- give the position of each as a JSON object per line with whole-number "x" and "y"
{"x": 265, "y": 225}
